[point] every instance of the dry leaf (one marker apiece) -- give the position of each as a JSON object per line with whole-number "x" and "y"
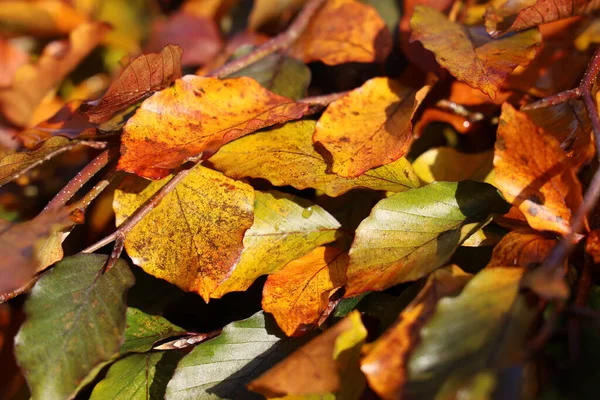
{"x": 522, "y": 247}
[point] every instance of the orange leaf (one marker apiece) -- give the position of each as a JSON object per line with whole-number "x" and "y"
{"x": 11, "y": 59}
{"x": 298, "y": 294}
{"x": 33, "y": 81}
{"x": 386, "y": 363}
{"x": 265, "y": 11}
{"x": 344, "y": 31}
{"x": 45, "y": 18}
{"x": 534, "y": 173}
{"x": 143, "y": 76}
{"x": 369, "y": 127}
{"x": 523, "y": 247}
{"x": 201, "y": 114}
{"x": 592, "y": 245}
{"x": 468, "y": 54}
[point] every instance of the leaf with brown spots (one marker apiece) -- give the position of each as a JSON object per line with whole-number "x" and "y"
{"x": 522, "y": 247}
{"x": 298, "y": 294}
{"x": 193, "y": 238}
{"x": 344, "y": 31}
{"x": 534, "y": 173}
{"x": 33, "y": 81}
{"x": 143, "y": 76}
{"x": 201, "y": 114}
{"x": 469, "y": 53}
{"x": 511, "y": 16}
{"x": 385, "y": 364}
{"x": 369, "y": 127}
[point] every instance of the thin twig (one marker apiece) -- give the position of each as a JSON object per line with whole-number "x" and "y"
{"x": 281, "y": 41}
{"x": 317, "y": 103}
{"x": 83, "y": 203}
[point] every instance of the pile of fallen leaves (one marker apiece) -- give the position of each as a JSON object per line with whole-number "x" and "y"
{"x": 302, "y": 199}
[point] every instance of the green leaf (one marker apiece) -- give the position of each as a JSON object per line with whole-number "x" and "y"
{"x": 138, "y": 376}
{"x": 143, "y": 330}
{"x": 221, "y": 367}
{"x": 410, "y": 234}
{"x": 75, "y": 321}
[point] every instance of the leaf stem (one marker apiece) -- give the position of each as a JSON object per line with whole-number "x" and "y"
{"x": 281, "y": 41}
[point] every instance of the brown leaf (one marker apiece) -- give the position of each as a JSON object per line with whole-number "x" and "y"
{"x": 369, "y": 127}
{"x": 592, "y": 245}
{"x": 298, "y": 294}
{"x": 11, "y": 59}
{"x": 202, "y": 115}
{"x": 518, "y": 15}
{"x": 143, "y": 76}
{"x": 344, "y": 31}
{"x": 522, "y": 247}
{"x": 385, "y": 365}
{"x": 534, "y": 173}
{"x": 468, "y": 53}
{"x": 33, "y": 81}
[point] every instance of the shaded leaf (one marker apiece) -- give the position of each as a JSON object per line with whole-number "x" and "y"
{"x": 33, "y": 81}
{"x": 286, "y": 156}
{"x": 468, "y": 54}
{"x": 145, "y": 74}
{"x": 410, "y": 234}
{"x": 265, "y": 11}
{"x": 385, "y": 365}
{"x": 193, "y": 238}
{"x": 522, "y": 247}
{"x": 203, "y": 114}
{"x": 344, "y": 31}
{"x": 39, "y": 18}
{"x": 22, "y": 248}
{"x": 534, "y": 173}
{"x": 285, "y": 228}
{"x": 369, "y": 127}
{"x": 144, "y": 330}
{"x": 327, "y": 364}
{"x": 388, "y": 10}
{"x": 138, "y": 376}
{"x": 298, "y": 294}
{"x": 448, "y": 164}
{"x": 592, "y": 245}
{"x": 518, "y": 15}
{"x": 72, "y": 311}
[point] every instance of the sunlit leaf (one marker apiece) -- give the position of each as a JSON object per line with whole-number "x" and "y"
{"x": 203, "y": 114}
{"x": 298, "y": 294}
{"x": 286, "y": 156}
{"x": 369, "y": 127}
{"x": 75, "y": 321}
{"x": 193, "y": 238}
{"x": 522, "y": 247}
{"x": 468, "y": 53}
{"x": 447, "y": 164}
{"x": 534, "y": 173}
{"x": 410, "y": 234}
{"x": 285, "y": 228}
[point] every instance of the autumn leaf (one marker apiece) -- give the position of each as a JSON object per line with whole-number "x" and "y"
{"x": 592, "y": 245}
{"x": 344, "y": 31}
{"x": 534, "y": 173}
{"x": 468, "y": 54}
{"x": 447, "y": 164}
{"x": 320, "y": 366}
{"x": 11, "y": 59}
{"x": 522, "y": 247}
{"x": 385, "y": 365}
{"x": 410, "y": 234}
{"x": 204, "y": 114}
{"x": 287, "y": 156}
{"x": 45, "y": 18}
{"x": 72, "y": 311}
{"x": 298, "y": 294}
{"x": 33, "y": 81}
{"x": 200, "y": 225}
{"x": 145, "y": 74}
{"x": 264, "y": 11}
{"x": 512, "y": 16}
{"x": 369, "y": 127}
{"x": 285, "y": 228}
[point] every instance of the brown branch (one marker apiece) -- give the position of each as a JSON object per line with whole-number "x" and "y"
{"x": 318, "y": 103}
{"x": 281, "y": 41}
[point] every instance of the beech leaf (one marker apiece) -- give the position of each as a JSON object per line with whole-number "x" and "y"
{"x": 286, "y": 156}
{"x": 72, "y": 310}
{"x": 193, "y": 238}
{"x": 144, "y": 330}
{"x": 203, "y": 114}
{"x": 410, "y": 234}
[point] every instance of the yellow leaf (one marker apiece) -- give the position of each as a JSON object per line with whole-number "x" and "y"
{"x": 447, "y": 164}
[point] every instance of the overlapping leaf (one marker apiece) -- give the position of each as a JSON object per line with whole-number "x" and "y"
{"x": 72, "y": 311}
{"x": 202, "y": 115}
{"x": 193, "y": 238}
{"x": 468, "y": 54}
{"x": 447, "y": 164}
{"x": 298, "y": 294}
{"x": 286, "y": 156}
{"x": 534, "y": 173}
{"x": 410, "y": 234}
{"x": 285, "y": 228}
{"x": 369, "y": 127}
